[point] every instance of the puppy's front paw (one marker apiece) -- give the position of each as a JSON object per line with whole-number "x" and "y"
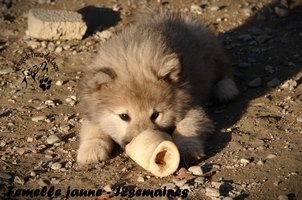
{"x": 92, "y": 152}
{"x": 190, "y": 149}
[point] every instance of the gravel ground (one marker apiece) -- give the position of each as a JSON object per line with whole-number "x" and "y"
{"x": 255, "y": 152}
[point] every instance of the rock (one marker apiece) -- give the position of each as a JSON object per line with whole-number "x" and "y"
{"x": 260, "y": 162}
{"x": 140, "y": 179}
{"x": 281, "y": 12}
{"x": 168, "y": 186}
{"x": 18, "y": 180}
{"x": 179, "y": 182}
{"x": 195, "y": 9}
{"x": 282, "y": 197}
{"x": 199, "y": 180}
{"x": 212, "y": 192}
{"x": 59, "y": 83}
{"x": 6, "y": 70}
{"x": 30, "y": 139}
{"x": 247, "y": 11}
{"x": 271, "y": 156}
{"x": 44, "y": 182}
{"x": 244, "y": 161}
{"x": 107, "y": 188}
{"x": 55, "y": 24}
{"x": 289, "y": 84}
{"x": 196, "y": 170}
{"x": 38, "y": 118}
{"x": 273, "y": 83}
{"x": 214, "y": 8}
{"x": 104, "y": 35}
{"x": 5, "y": 176}
{"x": 299, "y": 118}
{"x": 216, "y": 184}
{"x": 52, "y": 139}
{"x": 56, "y": 166}
{"x": 58, "y": 49}
{"x": 227, "y": 198}
{"x": 257, "y": 82}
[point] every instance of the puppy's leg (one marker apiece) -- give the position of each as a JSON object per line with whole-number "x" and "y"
{"x": 190, "y": 134}
{"x": 225, "y": 89}
{"x": 94, "y": 145}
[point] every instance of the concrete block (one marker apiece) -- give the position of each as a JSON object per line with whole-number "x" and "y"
{"x": 55, "y": 24}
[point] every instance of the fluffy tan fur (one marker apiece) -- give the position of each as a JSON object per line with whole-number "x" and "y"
{"x": 164, "y": 63}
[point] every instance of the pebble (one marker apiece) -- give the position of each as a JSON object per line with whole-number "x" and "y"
{"x": 43, "y": 182}
{"x": 59, "y": 83}
{"x": 30, "y": 139}
{"x": 38, "y": 118}
{"x": 5, "y": 176}
{"x": 56, "y": 166}
{"x": 212, "y": 192}
{"x": 257, "y": 82}
{"x": 260, "y": 162}
{"x": 168, "y": 186}
{"x": 50, "y": 103}
{"x": 271, "y": 156}
{"x": 247, "y": 11}
{"x": 273, "y": 83}
{"x": 195, "y": 9}
{"x": 52, "y": 139}
{"x": 289, "y": 84}
{"x": 244, "y": 161}
{"x": 214, "y": 8}
{"x": 196, "y": 170}
{"x": 104, "y": 35}
{"x": 179, "y": 182}
{"x": 140, "y": 179}
{"x": 216, "y": 184}
{"x": 281, "y": 12}
{"x": 18, "y": 180}
{"x": 282, "y": 197}
{"x": 199, "y": 180}
{"x": 107, "y": 188}
{"x": 33, "y": 44}
{"x": 299, "y": 118}
{"x": 6, "y": 70}
{"x": 227, "y": 198}
{"x": 58, "y": 49}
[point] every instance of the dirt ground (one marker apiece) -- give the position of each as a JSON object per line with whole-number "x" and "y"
{"x": 255, "y": 152}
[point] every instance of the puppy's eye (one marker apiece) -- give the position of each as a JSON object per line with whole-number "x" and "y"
{"x": 125, "y": 117}
{"x": 154, "y": 116}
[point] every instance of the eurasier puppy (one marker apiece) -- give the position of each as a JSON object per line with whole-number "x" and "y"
{"x": 155, "y": 74}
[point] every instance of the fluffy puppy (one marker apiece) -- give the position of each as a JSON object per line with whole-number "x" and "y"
{"x": 154, "y": 74}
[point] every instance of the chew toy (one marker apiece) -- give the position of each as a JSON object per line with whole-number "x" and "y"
{"x": 155, "y": 152}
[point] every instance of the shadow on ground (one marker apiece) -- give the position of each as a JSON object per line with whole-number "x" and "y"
{"x": 274, "y": 41}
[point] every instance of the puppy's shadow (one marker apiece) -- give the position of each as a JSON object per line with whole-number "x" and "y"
{"x": 99, "y": 18}
{"x": 259, "y": 42}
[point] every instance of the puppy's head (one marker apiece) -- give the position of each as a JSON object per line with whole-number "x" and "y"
{"x": 123, "y": 104}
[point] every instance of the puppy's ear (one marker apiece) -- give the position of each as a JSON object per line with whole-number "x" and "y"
{"x": 100, "y": 78}
{"x": 170, "y": 68}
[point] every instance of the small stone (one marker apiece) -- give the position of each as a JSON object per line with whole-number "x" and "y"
{"x": 179, "y": 182}
{"x": 168, "y": 186}
{"x": 227, "y": 198}
{"x": 216, "y": 184}
{"x": 50, "y": 103}
{"x": 56, "y": 166}
{"x": 257, "y": 82}
{"x": 271, "y": 156}
{"x": 260, "y": 162}
{"x": 5, "y": 176}
{"x": 214, "y": 8}
{"x": 299, "y": 118}
{"x": 140, "y": 179}
{"x": 65, "y": 128}
{"x": 212, "y": 192}
{"x": 289, "y": 84}
{"x": 104, "y": 35}
{"x": 18, "y": 180}
{"x": 59, "y": 83}
{"x": 247, "y": 11}
{"x": 30, "y": 139}
{"x": 195, "y": 9}
{"x": 38, "y": 118}
{"x": 282, "y": 197}
{"x": 52, "y": 139}
{"x": 281, "y": 12}
{"x": 6, "y": 71}
{"x": 244, "y": 161}
{"x": 196, "y": 170}
{"x": 58, "y": 49}
{"x": 33, "y": 174}
{"x": 107, "y": 188}
{"x": 199, "y": 180}
{"x": 273, "y": 83}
